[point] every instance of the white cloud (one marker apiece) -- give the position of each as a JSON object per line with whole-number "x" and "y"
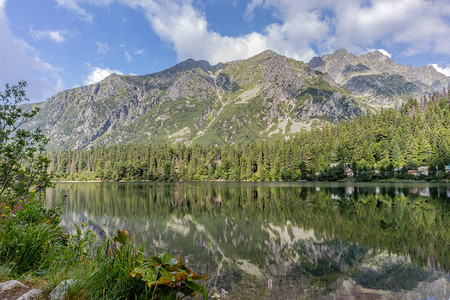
{"x": 251, "y": 7}
{"x": 417, "y": 25}
{"x": 98, "y": 74}
{"x": 57, "y": 36}
{"x": 73, "y": 6}
{"x": 384, "y": 52}
{"x": 445, "y": 71}
{"x": 302, "y": 27}
{"x": 180, "y": 24}
{"x": 140, "y": 51}
{"x": 102, "y": 48}
{"x": 127, "y": 56}
{"x": 20, "y": 61}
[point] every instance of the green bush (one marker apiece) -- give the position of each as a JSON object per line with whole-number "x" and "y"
{"x": 24, "y": 165}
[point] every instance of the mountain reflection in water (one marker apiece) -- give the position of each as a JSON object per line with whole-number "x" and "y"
{"x": 313, "y": 240}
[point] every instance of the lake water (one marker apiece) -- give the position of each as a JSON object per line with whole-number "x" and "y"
{"x": 311, "y": 240}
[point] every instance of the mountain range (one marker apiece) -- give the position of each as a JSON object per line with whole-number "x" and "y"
{"x": 265, "y": 97}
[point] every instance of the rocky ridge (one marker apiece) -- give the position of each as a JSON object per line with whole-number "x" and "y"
{"x": 377, "y": 77}
{"x": 267, "y": 96}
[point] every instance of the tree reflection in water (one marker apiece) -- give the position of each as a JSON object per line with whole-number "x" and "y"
{"x": 310, "y": 239}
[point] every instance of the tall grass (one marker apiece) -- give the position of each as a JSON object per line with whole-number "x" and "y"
{"x": 123, "y": 271}
{"x": 111, "y": 277}
{"x": 32, "y": 242}
{"x": 28, "y": 247}
{"x": 30, "y": 235}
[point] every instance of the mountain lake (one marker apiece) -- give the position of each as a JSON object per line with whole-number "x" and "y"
{"x": 283, "y": 240}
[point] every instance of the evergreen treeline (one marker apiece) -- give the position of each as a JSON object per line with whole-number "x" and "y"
{"x": 372, "y": 145}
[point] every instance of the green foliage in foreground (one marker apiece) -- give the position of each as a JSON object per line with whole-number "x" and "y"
{"x": 32, "y": 242}
{"x": 124, "y": 272}
{"x": 414, "y": 136}
{"x": 29, "y": 236}
{"x": 23, "y": 165}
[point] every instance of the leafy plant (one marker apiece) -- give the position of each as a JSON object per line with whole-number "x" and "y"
{"x": 81, "y": 243}
{"x": 169, "y": 276}
{"x": 122, "y": 271}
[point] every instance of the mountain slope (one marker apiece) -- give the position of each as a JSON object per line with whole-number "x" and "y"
{"x": 267, "y": 96}
{"x": 378, "y": 77}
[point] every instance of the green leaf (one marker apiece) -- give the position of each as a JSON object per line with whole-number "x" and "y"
{"x": 197, "y": 288}
{"x": 172, "y": 262}
{"x": 148, "y": 275}
{"x": 166, "y": 259}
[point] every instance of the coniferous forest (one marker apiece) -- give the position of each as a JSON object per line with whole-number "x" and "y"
{"x": 390, "y": 144}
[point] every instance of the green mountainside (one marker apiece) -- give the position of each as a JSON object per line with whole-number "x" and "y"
{"x": 265, "y": 97}
{"x": 408, "y": 138}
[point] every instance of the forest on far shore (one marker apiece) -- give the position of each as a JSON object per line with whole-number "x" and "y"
{"x": 375, "y": 146}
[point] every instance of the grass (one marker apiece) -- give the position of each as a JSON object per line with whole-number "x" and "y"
{"x": 34, "y": 248}
{"x": 28, "y": 247}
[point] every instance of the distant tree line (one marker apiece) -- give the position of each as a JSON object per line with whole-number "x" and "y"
{"x": 374, "y": 146}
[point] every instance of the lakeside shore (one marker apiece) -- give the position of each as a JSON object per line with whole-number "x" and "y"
{"x": 280, "y": 181}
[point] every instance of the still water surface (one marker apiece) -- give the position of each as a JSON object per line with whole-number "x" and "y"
{"x": 312, "y": 240}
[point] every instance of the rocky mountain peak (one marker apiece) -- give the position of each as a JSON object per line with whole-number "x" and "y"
{"x": 267, "y": 96}
{"x": 267, "y": 55}
{"x": 112, "y": 79}
{"x": 340, "y": 52}
{"x": 376, "y": 54}
{"x": 366, "y": 75}
{"x": 186, "y": 65}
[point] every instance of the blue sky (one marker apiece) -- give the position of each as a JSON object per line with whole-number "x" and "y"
{"x": 61, "y": 44}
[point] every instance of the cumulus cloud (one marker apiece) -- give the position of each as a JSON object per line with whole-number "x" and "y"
{"x": 20, "y": 61}
{"x": 251, "y": 7}
{"x": 57, "y": 36}
{"x": 305, "y": 27}
{"x": 98, "y": 74}
{"x": 140, "y": 51}
{"x": 301, "y": 29}
{"x": 445, "y": 71}
{"x": 182, "y": 25}
{"x": 418, "y": 25}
